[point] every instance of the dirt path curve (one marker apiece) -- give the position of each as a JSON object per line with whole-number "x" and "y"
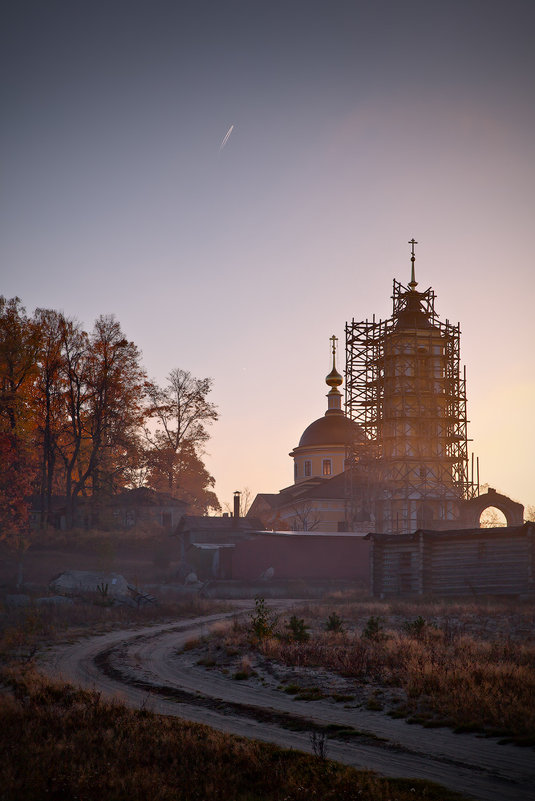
{"x": 141, "y": 667}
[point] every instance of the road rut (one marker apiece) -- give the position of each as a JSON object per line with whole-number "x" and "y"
{"x": 142, "y": 668}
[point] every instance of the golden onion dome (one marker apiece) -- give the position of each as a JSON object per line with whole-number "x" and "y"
{"x": 334, "y": 379}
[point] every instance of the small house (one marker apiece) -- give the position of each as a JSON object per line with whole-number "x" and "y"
{"x": 472, "y": 561}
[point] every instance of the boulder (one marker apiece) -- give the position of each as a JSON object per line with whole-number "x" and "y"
{"x": 75, "y": 582}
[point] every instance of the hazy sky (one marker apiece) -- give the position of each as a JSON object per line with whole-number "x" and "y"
{"x": 357, "y": 125}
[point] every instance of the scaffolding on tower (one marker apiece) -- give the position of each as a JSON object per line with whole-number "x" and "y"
{"x": 405, "y": 389}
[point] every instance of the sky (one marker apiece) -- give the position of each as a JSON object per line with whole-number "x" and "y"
{"x": 357, "y": 126}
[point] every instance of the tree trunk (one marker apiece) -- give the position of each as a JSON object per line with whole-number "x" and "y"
{"x": 20, "y": 568}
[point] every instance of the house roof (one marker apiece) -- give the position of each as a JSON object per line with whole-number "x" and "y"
{"x": 331, "y": 535}
{"x": 144, "y": 496}
{"x": 270, "y": 498}
{"x": 139, "y": 496}
{"x": 218, "y": 525}
{"x": 453, "y": 534}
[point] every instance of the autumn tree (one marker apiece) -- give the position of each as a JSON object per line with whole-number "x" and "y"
{"x": 193, "y": 480}
{"x": 49, "y": 401}
{"x": 175, "y": 433}
{"x": 73, "y": 420}
{"x": 106, "y": 386}
{"x": 75, "y": 349}
{"x": 18, "y": 350}
{"x": 19, "y": 345}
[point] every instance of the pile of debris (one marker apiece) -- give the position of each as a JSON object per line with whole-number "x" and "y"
{"x": 108, "y": 588}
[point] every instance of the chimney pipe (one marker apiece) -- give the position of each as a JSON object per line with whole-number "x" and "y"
{"x": 237, "y": 504}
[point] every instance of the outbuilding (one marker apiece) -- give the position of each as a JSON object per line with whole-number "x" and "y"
{"x": 473, "y": 561}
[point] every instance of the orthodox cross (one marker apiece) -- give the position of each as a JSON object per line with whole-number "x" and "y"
{"x": 334, "y": 340}
{"x": 413, "y": 283}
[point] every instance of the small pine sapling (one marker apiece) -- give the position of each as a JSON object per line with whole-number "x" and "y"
{"x": 374, "y": 629}
{"x": 298, "y": 629}
{"x": 334, "y": 623}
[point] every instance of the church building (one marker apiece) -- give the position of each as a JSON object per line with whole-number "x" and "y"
{"x": 317, "y": 500}
{"x": 396, "y": 459}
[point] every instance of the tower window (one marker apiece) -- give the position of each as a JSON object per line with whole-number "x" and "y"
{"x": 295, "y": 470}
{"x": 326, "y": 467}
{"x": 308, "y": 468}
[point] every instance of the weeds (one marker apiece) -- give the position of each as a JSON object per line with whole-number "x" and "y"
{"x": 318, "y": 741}
{"x": 245, "y": 669}
{"x": 24, "y": 631}
{"x": 59, "y": 742}
{"x": 466, "y": 665}
{"x": 263, "y": 621}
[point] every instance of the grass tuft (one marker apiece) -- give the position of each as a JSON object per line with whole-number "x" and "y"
{"x": 59, "y": 742}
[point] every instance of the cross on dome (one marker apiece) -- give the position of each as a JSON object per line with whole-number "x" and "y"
{"x": 413, "y": 283}
{"x": 334, "y": 379}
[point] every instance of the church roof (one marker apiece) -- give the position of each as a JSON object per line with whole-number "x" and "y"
{"x": 334, "y": 428}
{"x": 413, "y": 315}
{"x": 331, "y": 429}
{"x": 318, "y": 488}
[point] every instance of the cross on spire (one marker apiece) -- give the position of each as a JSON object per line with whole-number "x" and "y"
{"x": 413, "y": 283}
{"x": 334, "y": 340}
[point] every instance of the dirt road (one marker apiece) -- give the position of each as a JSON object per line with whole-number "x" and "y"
{"x": 142, "y": 668}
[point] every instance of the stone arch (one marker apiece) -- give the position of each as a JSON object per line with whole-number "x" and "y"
{"x": 471, "y": 510}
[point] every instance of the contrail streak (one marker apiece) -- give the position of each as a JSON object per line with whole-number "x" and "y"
{"x": 226, "y": 138}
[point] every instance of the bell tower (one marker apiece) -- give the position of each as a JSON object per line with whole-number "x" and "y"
{"x": 404, "y": 387}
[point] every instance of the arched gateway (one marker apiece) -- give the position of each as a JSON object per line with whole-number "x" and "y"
{"x": 471, "y": 510}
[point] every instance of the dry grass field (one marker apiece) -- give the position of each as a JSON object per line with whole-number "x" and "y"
{"x": 59, "y": 742}
{"x": 466, "y": 664}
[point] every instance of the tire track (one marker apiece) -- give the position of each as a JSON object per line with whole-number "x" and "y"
{"x": 141, "y": 668}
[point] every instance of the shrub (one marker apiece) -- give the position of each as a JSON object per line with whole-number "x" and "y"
{"x": 334, "y": 623}
{"x": 263, "y": 621}
{"x": 298, "y": 629}
{"x": 415, "y": 628}
{"x": 374, "y": 629}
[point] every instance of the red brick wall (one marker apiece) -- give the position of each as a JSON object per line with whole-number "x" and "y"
{"x": 302, "y": 557}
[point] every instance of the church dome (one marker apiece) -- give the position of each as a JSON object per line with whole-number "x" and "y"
{"x": 332, "y": 429}
{"x": 334, "y": 379}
